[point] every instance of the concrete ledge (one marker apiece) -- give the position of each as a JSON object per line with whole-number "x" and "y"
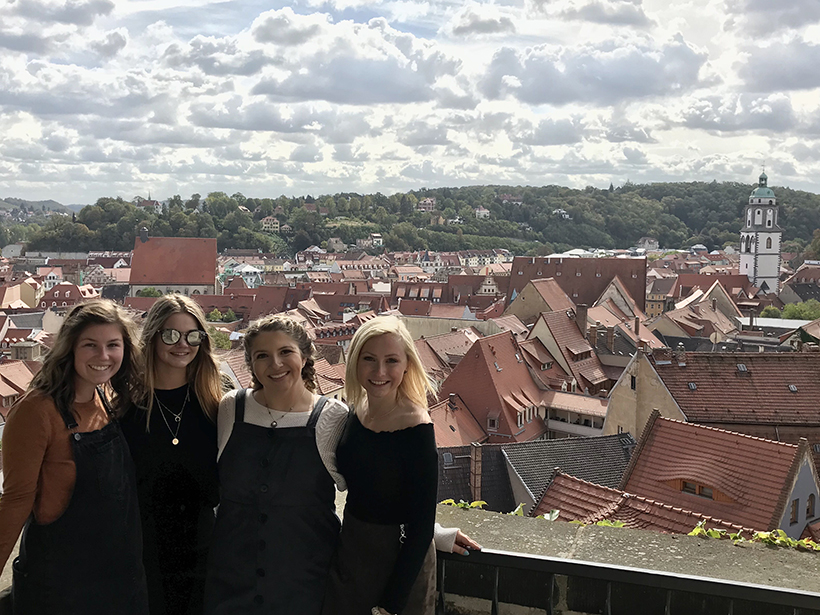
{"x": 678, "y": 554}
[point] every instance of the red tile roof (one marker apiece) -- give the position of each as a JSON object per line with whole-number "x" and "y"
{"x": 579, "y": 500}
{"x": 329, "y": 378}
{"x": 587, "y": 372}
{"x": 750, "y": 478}
{"x": 494, "y": 383}
{"x": 595, "y": 276}
{"x": 174, "y": 260}
{"x": 552, "y": 294}
{"x": 454, "y": 424}
{"x": 758, "y": 394}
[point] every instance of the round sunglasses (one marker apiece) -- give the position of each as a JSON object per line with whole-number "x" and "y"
{"x": 172, "y": 336}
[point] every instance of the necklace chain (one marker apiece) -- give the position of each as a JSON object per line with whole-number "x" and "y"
{"x": 177, "y": 416}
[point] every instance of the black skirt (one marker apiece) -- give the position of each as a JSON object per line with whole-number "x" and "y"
{"x": 362, "y": 566}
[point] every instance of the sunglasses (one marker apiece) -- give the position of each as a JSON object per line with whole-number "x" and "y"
{"x": 172, "y": 336}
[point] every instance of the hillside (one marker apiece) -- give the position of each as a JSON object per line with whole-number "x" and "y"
{"x": 49, "y": 205}
{"x": 522, "y": 219}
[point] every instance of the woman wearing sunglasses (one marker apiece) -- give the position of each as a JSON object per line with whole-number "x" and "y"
{"x": 172, "y": 435}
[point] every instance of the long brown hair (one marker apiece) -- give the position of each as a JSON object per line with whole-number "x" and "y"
{"x": 292, "y": 327}
{"x": 202, "y": 372}
{"x": 56, "y": 377}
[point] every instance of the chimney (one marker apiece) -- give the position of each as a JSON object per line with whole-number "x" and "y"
{"x": 637, "y": 327}
{"x": 610, "y": 339}
{"x": 475, "y": 471}
{"x": 144, "y": 234}
{"x": 714, "y": 305}
{"x": 592, "y": 334}
{"x": 581, "y": 317}
{"x": 680, "y": 354}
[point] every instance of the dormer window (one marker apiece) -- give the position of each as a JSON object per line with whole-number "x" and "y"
{"x": 693, "y": 386}
{"x": 56, "y": 294}
{"x": 741, "y": 368}
{"x": 492, "y": 424}
{"x": 793, "y": 388}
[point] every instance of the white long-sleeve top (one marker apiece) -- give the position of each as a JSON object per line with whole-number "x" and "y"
{"x": 329, "y": 430}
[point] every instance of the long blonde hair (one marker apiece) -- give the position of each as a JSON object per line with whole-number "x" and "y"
{"x": 414, "y": 387}
{"x": 56, "y": 376}
{"x": 202, "y": 372}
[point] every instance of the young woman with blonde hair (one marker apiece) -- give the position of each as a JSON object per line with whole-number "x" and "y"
{"x": 385, "y": 561}
{"x": 69, "y": 480}
{"x": 172, "y": 434}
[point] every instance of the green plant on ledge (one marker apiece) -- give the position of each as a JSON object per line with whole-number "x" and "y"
{"x": 775, "y": 538}
{"x": 464, "y": 505}
{"x": 550, "y": 516}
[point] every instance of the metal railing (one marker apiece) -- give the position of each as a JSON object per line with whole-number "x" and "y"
{"x": 489, "y": 566}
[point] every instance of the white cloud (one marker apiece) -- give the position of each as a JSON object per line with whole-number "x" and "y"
{"x": 334, "y": 95}
{"x": 603, "y": 73}
{"x": 480, "y": 19}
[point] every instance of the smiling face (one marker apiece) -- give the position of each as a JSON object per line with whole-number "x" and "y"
{"x": 276, "y": 361}
{"x": 98, "y": 355}
{"x": 381, "y": 368}
{"x": 176, "y": 356}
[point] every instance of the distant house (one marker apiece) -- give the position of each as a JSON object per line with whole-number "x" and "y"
{"x": 270, "y": 224}
{"x": 66, "y": 294}
{"x": 335, "y": 244}
{"x": 426, "y": 204}
{"x": 481, "y": 212}
{"x": 185, "y": 265}
{"x": 377, "y": 241}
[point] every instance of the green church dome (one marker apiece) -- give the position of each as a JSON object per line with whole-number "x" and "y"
{"x": 762, "y": 191}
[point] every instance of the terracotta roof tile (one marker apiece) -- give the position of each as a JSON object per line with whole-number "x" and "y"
{"x": 454, "y": 424}
{"x": 566, "y": 334}
{"x": 760, "y": 394}
{"x": 747, "y": 475}
{"x": 595, "y": 276}
{"x": 580, "y": 500}
{"x": 486, "y": 377}
{"x": 174, "y": 260}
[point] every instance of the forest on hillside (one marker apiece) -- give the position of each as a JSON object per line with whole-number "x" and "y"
{"x": 549, "y": 218}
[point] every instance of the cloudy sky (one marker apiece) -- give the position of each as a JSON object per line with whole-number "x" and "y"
{"x": 126, "y": 97}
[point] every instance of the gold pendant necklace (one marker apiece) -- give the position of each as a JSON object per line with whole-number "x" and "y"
{"x": 177, "y": 416}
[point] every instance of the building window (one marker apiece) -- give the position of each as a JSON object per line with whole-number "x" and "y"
{"x": 620, "y": 429}
{"x": 768, "y": 243}
{"x": 693, "y": 386}
{"x": 68, "y": 294}
{"x": 56, "y": 293}
{"x": 705, "y": 492}
{"x": 520, "y": 418}
{"x": 633, "y": 382}
{"x": 793, "y": 515}
{"x": 447, "y": 458}
{"x": 810, "y": 507}
{"x": 492, "y": 423}
{"x": 689, "y": 487}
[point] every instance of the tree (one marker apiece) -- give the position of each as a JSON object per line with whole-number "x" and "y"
{"x": 149, "y": 292}
{"x": 219, "y": 339}
{"x": 215, "y": 315}
{"x": 806, "y": 310}
{"x": 229, "y": 316}
{"x": 193, "y": 202}
{"x": 770, "y": 312}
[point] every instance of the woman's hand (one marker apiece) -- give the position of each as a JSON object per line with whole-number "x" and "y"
{"x": 464, "y": 544}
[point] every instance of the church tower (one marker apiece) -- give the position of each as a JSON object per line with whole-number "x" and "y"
{"x": 760, "y": 239}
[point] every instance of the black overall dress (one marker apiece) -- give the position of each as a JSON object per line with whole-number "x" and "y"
{"x": 276, "y": 529}
{"x": 88, "y": 561}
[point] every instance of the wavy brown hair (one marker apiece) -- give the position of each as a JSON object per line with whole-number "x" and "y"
{"x": 294, "y": 329}
{"x": 56, "y": 378}
{"x": 203, "y": 372}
